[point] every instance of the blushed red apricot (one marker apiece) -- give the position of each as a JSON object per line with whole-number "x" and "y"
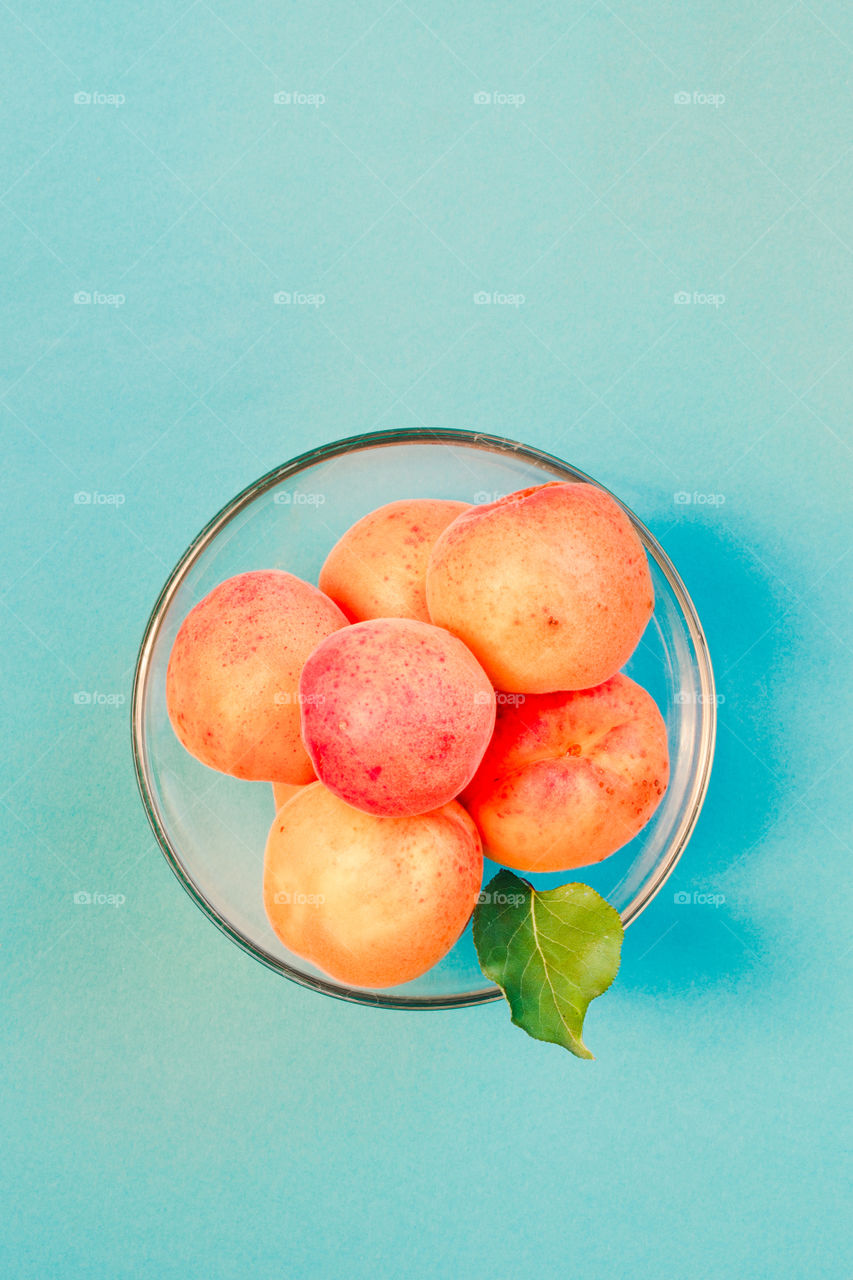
{"x": 231, "y": 683}
{"x": 396, "y": 715}
{"x": 569, "y": 778}
{"x": 371, "y": 901}
{"x": 549, "y": 587}
{"x": 378, "y": 568}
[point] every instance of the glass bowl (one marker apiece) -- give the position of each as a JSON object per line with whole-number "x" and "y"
{"x": 213, "y": 828}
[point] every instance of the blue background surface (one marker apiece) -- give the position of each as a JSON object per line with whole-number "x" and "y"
{"x": 171, "y": 1107}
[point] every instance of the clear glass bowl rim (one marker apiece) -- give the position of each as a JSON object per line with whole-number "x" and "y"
{"x": 375, "y": 439}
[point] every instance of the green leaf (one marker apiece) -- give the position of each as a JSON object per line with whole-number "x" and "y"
{"x": 550, "y": 952}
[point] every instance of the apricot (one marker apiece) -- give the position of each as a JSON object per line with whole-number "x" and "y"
{"x": 396, "y": 715}
{"x": 284, "y": 791}
{"x": 570, "y": 777}
{"x": 371, "y": 901}
{"x": 549, "y": 587}
{"x": 378, "y": 568}
{"x": 231, "y": 682}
